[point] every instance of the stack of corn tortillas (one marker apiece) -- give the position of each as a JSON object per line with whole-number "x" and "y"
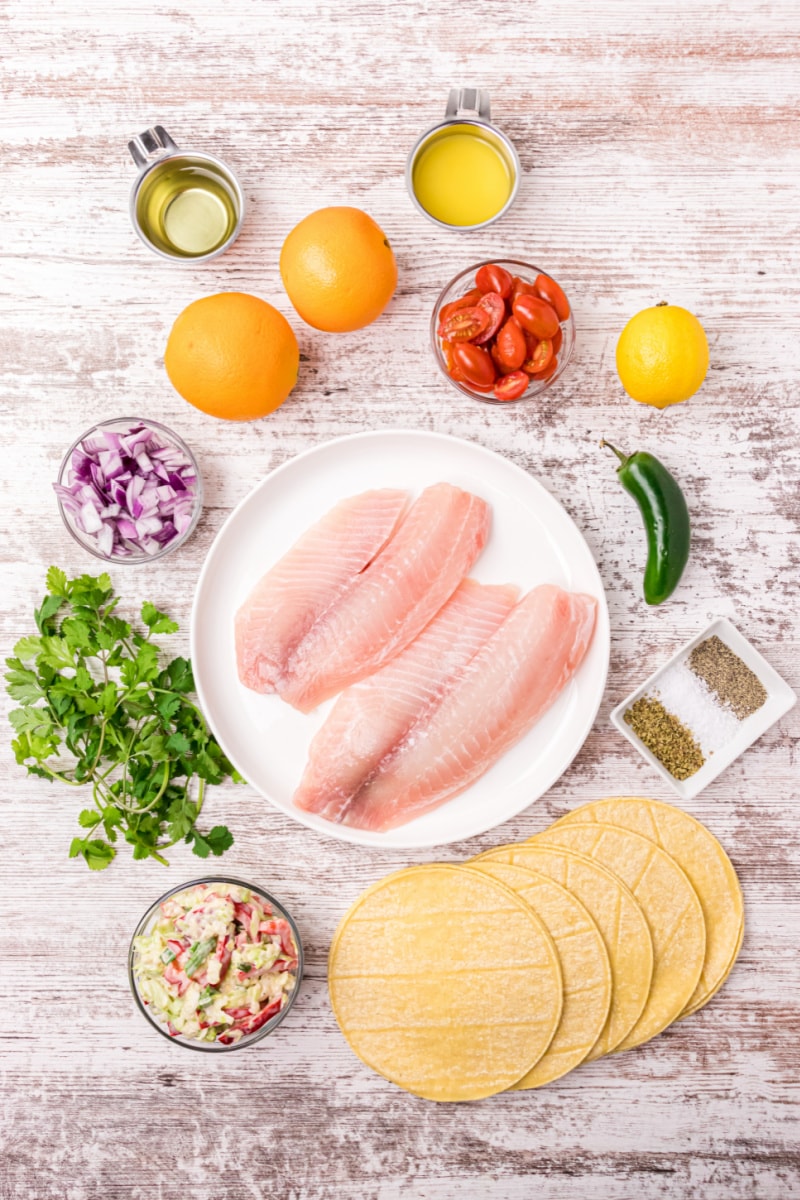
{"x": 459, "y": 981}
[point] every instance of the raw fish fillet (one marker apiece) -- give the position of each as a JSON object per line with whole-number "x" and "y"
{"x": 370, "y": 718}
{"x": 390, "y": 602}
{"x": 499, "y": 695}
{"x": 310, "y": 577}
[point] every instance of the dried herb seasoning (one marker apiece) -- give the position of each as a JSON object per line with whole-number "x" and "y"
{"x": 731, "y": 680}
{"x": 665, "y": 736}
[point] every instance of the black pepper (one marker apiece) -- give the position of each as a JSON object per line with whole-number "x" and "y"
{"x": 732, "y": 682}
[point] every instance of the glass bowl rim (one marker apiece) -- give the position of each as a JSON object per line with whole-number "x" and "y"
{"x": 465, "y": 390}
{"x": 272, "y": 1023}
{"x": 198, "y": 498}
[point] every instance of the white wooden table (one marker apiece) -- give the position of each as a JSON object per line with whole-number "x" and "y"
{"x": 659, "y": 146}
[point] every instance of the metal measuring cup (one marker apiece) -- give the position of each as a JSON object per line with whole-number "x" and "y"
{"x": 154, "y": 152}
{"x": 467, "y": 106}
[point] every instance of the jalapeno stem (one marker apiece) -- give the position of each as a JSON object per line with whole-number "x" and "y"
{"x": 623, "y": 458}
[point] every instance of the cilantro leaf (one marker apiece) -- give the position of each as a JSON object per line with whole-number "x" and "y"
{"x": 57, "y": 582}
{"x": 219, "y": 839}
{"x": 157, "y": 622}
{"x": 98, "y": 708}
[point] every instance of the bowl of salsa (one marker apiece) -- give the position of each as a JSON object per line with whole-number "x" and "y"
{"x": 215, "y": 964}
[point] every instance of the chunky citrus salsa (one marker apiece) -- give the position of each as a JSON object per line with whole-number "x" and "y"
{"x": 217, "y": 964}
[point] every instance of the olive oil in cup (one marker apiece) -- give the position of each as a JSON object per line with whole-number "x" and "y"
{"x": 184, "y": 205}
{"x": 464, "y": 172}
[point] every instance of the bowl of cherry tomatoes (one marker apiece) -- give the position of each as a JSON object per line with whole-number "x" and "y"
{"x": 502, "y": 330}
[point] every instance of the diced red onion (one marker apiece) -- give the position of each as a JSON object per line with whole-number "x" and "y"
{"x": 133, "y": 493}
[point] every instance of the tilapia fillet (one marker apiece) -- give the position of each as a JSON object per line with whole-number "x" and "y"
{"x": 371, "y": 718}
{"x": 392, "y": 599}
{"x": 311, "y": 576}
{"x": 487, "y": 706}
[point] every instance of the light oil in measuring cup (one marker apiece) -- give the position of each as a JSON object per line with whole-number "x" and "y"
{"x": 186, "y": 208}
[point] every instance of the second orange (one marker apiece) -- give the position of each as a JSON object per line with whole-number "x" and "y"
{"x": 338, "y": 269}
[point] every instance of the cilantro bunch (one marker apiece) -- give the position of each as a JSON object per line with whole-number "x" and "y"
{"x": 98, "y": 711}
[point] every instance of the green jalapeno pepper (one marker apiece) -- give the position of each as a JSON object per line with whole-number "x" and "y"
{"x": 666, "y": 520}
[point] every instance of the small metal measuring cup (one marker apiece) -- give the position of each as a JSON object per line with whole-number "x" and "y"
{"x": 467, "y": 106}
{"x": 156, "y": 156}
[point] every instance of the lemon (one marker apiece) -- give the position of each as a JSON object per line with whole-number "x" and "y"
{"x": 662, "y": 355}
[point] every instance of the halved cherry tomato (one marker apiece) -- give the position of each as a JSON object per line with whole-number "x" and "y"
{"x": 511, "y": 346}
{"x": 557, "y": 339}
{"x": 465, "y": 324}
{"x": 512, "y": 386}
{"x": 550, "y": 291}
{"x": 495, "y": 306}
{"x": 536, "y": 316}
{"x": 475, "y": 364}
{"x": 539, "y": 359}
{"x": 466, "y": 301}
{"x": 491, "y": 278}
{"x": 519, "y": 287}
{"x": 549, "y": 370}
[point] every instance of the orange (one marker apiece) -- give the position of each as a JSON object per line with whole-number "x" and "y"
{"x": 233, "y": 356}
{"x": 338, "y": 269}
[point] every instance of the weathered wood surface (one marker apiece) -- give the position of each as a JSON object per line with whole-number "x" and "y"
{"x": 660, "y": 155}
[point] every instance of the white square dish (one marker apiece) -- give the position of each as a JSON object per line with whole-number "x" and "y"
{"x": 780, "y": 699}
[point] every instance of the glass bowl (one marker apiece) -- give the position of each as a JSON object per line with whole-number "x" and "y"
{"x": 192, "y": 1043}
{"x": 124, "y": 425}
{"x": 458, "y": 286}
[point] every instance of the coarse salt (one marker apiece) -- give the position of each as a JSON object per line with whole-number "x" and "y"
{"x": 689, "y": 699}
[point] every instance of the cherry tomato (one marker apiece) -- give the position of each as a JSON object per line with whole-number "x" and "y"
{"x": 540, "y": 358}
{"x": 549, "y": 291}
{"x": 447, "y": 355}
{"x": 467, "y": 301}
{"x": 519, "y": 287}
{"x": 511, "y": 387}
{"x": 536, "y": 316}
{"x": 491, "y": 278}
{"x": 495, "y": 307}
{"x": 453, "y": 369}
{"x": 475, "y": 364}
{"x": 502, "y": 369}
{"x": 465, "y": 324}
{"x": 511, "y": 346}
{"x": 549, "y": 370}
{"x": 557, "y": 339}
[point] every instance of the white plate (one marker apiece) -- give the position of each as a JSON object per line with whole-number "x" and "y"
{"x": 780, "y": 699}
{"x": 533, "y": 541}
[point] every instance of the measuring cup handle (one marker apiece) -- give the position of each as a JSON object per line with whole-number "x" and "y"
{"x": 153, "y": 141}
{"x": 468, "y": 102}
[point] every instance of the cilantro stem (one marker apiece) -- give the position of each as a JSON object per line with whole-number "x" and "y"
{"x": 99, "y": 747}
{"x": 147, "y": 807}
{"x": 62, "y": 778}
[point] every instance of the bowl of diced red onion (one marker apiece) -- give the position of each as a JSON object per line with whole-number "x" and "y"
{"x": 129, "y": 490}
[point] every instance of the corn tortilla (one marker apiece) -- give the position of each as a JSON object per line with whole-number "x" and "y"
{"x": 671, "y": 908}
{"x": 617, "y": 915}
{"x": 585, "y": 969}
{"x": 445, "y": 982}
{"x": 710, "y": 872}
